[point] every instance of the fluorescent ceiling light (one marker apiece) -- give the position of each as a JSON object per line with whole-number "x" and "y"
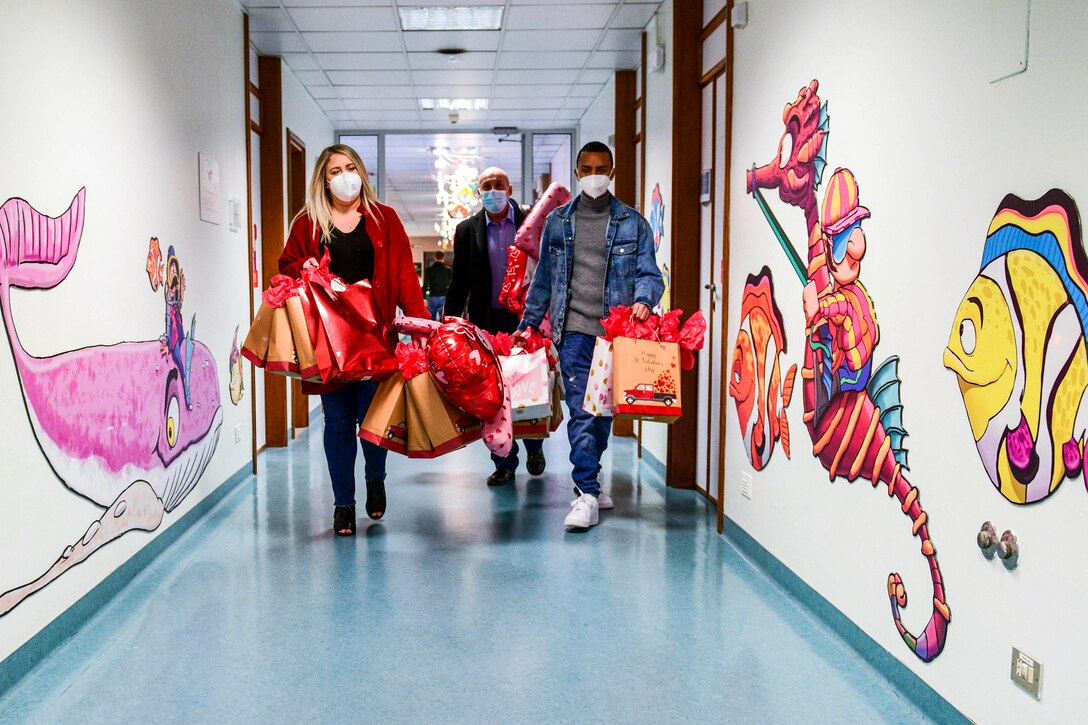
{"x": 451, "y": 18}
{"x": 453, "y": 104}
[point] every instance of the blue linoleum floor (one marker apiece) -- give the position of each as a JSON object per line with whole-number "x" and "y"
{"x": 466, "y": 604}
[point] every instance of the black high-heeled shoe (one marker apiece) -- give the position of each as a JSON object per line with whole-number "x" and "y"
{"x": 375, "y": 498}
{"x": 343, "y": 520}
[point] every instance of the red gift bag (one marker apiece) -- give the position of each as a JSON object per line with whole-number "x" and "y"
{"x": 350, "y": 342}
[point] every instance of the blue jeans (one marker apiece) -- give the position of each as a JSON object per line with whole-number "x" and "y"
{"x": 532, "y": 445}
{"x": 435, "y": 305}
{"x": 344, "y": 411}
{"x": 588, "y": 434}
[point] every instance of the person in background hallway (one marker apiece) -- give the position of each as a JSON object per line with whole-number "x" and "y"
{"x": 436, "y": 280}
{"x": 365, "y": 240}
{"x": 606, "y": 251}
{"x": 480, "y": 245}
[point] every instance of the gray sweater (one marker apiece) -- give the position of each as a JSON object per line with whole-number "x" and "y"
{"x": 589, "y": 267}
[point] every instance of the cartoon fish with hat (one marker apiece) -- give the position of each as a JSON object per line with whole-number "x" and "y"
{"x": 757, "y": 391}
{"x": 1017, "y": 347}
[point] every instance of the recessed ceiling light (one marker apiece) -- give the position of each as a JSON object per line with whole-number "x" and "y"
{"x": 453, "y": 104}
{"x": 451, "y": 18}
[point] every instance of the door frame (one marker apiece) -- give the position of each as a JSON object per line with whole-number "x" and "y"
{"x": 296, "y": 200}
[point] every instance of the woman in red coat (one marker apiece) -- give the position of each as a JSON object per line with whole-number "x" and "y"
{"x": 365, "y": 240}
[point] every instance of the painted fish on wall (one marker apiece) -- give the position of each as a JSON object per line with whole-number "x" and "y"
{"x": 111, "y": 420}
{"x": 756, "y": 384}
{"x": 1017, "y": 347}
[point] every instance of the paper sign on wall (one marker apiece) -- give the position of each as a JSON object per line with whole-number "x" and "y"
{"x": 209, "y": 189}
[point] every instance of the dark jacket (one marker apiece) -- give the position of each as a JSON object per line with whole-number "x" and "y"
{"x": 436, "y": 280}
{"x": 469, "y": 294}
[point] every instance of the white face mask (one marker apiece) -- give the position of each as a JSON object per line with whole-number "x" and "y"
{"x": 346, "y": 186}
{"x": 594, "y": 186}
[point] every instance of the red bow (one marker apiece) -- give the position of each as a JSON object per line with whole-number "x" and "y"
{"x": 412, "y": 360}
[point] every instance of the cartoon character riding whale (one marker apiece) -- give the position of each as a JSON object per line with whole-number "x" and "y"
{"x": 130, "y": 426}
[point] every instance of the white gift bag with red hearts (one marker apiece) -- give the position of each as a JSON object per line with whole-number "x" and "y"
{"x": 526, "y": 374}
{"x": 598, "y": 398}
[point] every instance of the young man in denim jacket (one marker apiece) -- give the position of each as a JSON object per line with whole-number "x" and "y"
{"x": 595, "y": 252}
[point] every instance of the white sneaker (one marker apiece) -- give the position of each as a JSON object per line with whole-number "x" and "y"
{"x": 604, "y": 501}
{"x": 583, "y": 512}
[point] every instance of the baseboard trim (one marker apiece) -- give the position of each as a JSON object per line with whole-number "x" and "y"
{"x": 651, "y": 461}
{"x": 42, "y": 644}
{"x": 914, "y": 688}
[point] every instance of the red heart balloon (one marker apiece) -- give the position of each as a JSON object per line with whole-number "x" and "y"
{"x": 465, "y": 365}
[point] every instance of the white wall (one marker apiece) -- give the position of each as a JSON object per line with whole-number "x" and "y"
{"x": 659, "y": 170}
{"x": 935, "y": 146}
{"x": 599, "y": 121}
{"x": 118, "y": 97}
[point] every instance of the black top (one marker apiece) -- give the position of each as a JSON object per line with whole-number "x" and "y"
{"x": 437, "y": 280}
{"x": 351, "y": 254}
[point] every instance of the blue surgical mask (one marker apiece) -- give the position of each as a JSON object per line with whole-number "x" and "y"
{"x": 494, "y": 200}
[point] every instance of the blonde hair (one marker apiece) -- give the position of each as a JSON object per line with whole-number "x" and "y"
{"x": 318, "y": 205}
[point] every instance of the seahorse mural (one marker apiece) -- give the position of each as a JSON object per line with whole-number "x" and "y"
{"x": 852, "y": 413}
{"x": 761, "y": 339}
{"x": 1017, "y": 347}
{"x": 111, "y": 420}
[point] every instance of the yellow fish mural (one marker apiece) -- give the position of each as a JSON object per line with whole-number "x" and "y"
{"x": 1017, "y": 347}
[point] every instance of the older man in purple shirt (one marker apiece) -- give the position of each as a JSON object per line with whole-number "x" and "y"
{"x": 480, "y": 247}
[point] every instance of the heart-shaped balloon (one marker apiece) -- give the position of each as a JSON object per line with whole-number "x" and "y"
{"x": 465, "y": 364}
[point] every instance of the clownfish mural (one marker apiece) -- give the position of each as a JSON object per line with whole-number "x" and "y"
{"x": 756, "y": 384}
{"x": 1017, "y": 347}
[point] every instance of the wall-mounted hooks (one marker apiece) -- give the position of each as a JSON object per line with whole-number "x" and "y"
{"x": 1006, "y": 547}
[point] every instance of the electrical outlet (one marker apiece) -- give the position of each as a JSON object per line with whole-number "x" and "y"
{"x": 1026, "y": 672}
{"x": 238, "y": 433}
{"x": 746, "y": 485}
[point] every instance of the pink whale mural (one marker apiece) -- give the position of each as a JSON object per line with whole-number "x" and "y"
{"x": 111, "y": 420}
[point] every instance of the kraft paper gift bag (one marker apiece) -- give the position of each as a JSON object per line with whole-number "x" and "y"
{"x": 386, "y": 421}
{"x": 598, "y": 397}
{"x": 527, "y": 376}
{"x": 255, "y": 347}
{"x": 435, "y": 425}
{"x": 557, "y": 399}
{"x": 281, "y": 356}
{"x": 300, "y": 333}
{"x": 646, "y": 379}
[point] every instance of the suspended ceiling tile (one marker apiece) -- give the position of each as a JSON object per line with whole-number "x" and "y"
{"x": 531, "y": 77}
{"x": 300, "y": 61}
{"x": 319, "y": 92}
{"x": 437, "y": 61}
{"x": 553, "y": 90}
{"x": 270, "y": 20}
{"x": 553, "y": 16}
{"x": 324, "y": 3}
{"x": 623, "y": 40}
{"x": 368, "y": 77}
{"x": 339, "y": 115}
{"x": 374, "y": 92}
{"x": 442, "y": 91}
{"x": 443, "y": 117}
{"x": 532, "y": 102}
{"x": 484, "y": 40}
{"x": 569, "y": 114}
{"x": 321, "y": 42}
{"x": 332, "y": 104}
{"x": 260, "y": 4}
{"x": 581, "y": 102}
{"x": 385, "y": 115}
{"x": 278, "y": 43}
{"x": 634, "y": 15}
{"x": 586, "y": 90}
{"x": 510, "y": 59}
{"x": 452, "y": 77}
{"x": 345, "y": 19}
{"x": 616, "y": 59}
{"x": 361, "y": 61}
{"x": 595, "y": 75}
{"x": 311, "y": 76}
{"x": 567, "y": 40}
{"x": 520, "y": 115}
{"x": 584, "y": 2}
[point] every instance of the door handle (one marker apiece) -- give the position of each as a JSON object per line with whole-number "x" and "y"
{"x": 710, "y": 286}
